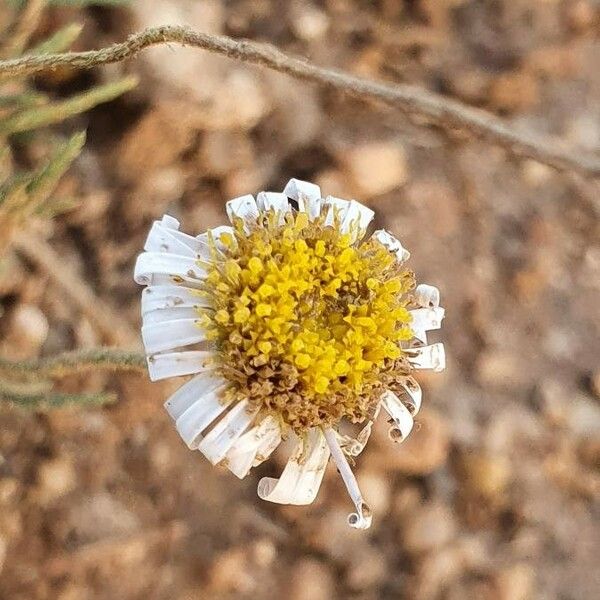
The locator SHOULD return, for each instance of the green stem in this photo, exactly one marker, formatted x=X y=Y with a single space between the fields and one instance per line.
x=76 y=362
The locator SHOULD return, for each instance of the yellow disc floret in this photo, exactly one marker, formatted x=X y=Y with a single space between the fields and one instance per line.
x=308 y=325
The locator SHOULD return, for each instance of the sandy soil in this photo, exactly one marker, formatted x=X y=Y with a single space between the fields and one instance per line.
x=495 y=495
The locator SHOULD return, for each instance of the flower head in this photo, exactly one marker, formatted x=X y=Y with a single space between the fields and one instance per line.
x=295 y=326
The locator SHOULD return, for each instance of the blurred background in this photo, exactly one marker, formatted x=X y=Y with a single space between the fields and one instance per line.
x=496 y=493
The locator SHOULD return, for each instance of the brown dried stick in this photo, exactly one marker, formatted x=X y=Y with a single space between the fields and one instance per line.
x=113 y=327
x=437 y=110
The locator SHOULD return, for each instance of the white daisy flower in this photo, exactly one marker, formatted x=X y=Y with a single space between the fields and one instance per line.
x=294 y=327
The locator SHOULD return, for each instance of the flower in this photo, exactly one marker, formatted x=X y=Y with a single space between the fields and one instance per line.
x=295 y=327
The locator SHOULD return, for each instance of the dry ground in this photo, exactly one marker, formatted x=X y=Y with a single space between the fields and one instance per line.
x=495 y=496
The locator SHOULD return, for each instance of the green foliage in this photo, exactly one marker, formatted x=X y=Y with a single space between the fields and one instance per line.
x=29 y=192
x=24 y=111
x=55 y=112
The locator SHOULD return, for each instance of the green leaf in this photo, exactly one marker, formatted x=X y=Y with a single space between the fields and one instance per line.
x=45 y=181
x=55 y=112
x=23 y=100
x=59 y=41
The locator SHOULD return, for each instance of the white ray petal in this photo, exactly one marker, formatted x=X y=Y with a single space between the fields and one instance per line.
x=335 y=207
x=357 y=219
x=413 y=390
x=167 y=335
x=193 y=421
x=275 y=201
x=255 y=445
x=191 y=391
x=267 y=446
x=224 y=434
x=353 y=216
x=403 y=421
x=176 y=364
x=163 y=237
x=157 y=268
x=302 y=475
x=162 y=297
x=361 y=519
x=171 y=314
x=307 y=195
x=425 y=319
x=243 y=207
x=353 y=446
x=392 y=244
x=170 y=222
x=427 y=357
x=427 y=296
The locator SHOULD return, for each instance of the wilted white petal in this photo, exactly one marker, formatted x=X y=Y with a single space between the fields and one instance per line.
x=168 y=335
x=224 y=434
x=267 y=446
x=307 y=195
x=427 y=357
x=275 y=201
x=403 y=421
x=392 y=244
x=254 y=446
x=192 y=391
x=361 y=519
x=350 y=445
x=425 y=319
x=176 y=364
x=302 y=475
x=171 y=314
x=357 y=218
x=163 y=297
x=413 y=390
x=165 y=238
x=427 y=296
x=335 y=207
x=243 y=207
x=200 y=415
x=157 y=268
x=170 y=222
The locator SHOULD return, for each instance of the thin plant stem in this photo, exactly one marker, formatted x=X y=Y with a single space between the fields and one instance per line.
x=74 y=363
x=427 y=106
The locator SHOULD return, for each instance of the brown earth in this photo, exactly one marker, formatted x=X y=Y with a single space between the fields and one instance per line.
x=495 y=495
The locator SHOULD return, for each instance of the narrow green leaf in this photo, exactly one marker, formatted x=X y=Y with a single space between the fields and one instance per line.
x=56 y=112
x=13 y=195
x=57 y=206
x=55 y=400
x=23 y=100
x=44 y=183
x=59 y=41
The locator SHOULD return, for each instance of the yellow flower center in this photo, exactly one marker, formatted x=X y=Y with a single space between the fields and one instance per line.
x=307 y=324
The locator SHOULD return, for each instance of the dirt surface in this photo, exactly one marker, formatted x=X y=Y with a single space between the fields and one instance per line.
x=495 y=495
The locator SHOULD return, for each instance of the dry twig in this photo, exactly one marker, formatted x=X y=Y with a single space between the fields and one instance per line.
x=437 y=110
x=111 y=325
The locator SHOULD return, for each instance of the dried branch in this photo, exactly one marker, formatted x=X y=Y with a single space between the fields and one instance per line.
x=437 y=110
x=74 y=363
x=111 y=325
